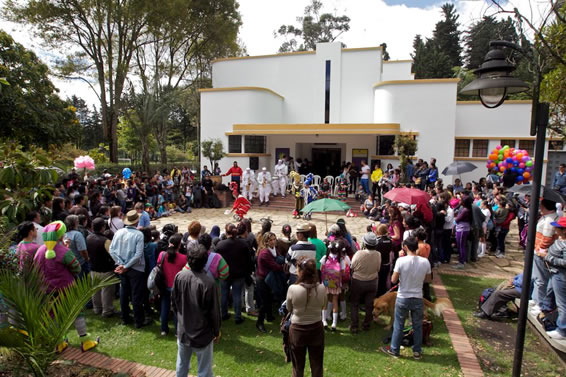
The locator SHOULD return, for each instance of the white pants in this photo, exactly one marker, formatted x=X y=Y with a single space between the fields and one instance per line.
x=275 y=186
x=283 y=185
x=248 y=194
x=264 y=193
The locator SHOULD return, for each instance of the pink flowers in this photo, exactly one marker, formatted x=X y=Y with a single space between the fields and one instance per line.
x=84 y=162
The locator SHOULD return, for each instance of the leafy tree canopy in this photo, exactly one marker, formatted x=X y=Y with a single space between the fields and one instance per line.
x=315 y=28
x=31 y=111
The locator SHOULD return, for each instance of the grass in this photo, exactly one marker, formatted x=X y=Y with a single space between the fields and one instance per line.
x=491 y=340
x=242 y=351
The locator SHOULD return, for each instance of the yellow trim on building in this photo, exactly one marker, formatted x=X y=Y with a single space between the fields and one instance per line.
x=512 y=102
x=362 y=49
x=318 y=129
x=397 y=61
x=248 y=154
x=229 y=89
x=419 y=81
x=264 y=56
x=393 y=157
x=503 y=138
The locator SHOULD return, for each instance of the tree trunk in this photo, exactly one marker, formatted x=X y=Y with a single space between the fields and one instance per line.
x=145 y=157
x=163 y=153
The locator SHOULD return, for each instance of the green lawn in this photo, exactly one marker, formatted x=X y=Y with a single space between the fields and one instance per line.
x=491 y=340
x=242 y=351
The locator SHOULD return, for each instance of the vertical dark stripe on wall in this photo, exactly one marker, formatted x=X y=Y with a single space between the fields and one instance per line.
x=327 y=94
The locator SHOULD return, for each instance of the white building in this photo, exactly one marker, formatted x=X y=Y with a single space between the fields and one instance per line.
x=342 y=104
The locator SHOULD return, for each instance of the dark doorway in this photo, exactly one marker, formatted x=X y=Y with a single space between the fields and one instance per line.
x=326 y=161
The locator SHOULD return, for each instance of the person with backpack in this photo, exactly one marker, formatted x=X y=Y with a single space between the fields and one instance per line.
x=332 y=269
x=411 y=272
x=492 y=301
x=171 y=262
x=216 y=266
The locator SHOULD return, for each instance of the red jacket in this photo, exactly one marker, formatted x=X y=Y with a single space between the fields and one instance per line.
x=266 y=263
x=236 y=172
x=505 y=224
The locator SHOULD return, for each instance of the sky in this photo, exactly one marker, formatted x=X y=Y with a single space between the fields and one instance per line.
x=395 y=22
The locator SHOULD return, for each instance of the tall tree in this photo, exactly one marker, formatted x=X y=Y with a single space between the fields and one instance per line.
x=178 y=51
x=31 y=112
x=91 y=135
x=104 y=34
x=447 y=36
x=315 y=28
x=478 y=36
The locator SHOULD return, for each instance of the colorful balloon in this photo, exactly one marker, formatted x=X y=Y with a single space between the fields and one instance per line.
x=529 y=163
x=126 y=173
x=526 y=175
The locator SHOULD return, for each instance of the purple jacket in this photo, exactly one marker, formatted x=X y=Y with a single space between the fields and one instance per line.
x=60 y=271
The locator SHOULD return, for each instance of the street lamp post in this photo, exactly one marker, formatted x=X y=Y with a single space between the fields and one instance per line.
x=492 y=86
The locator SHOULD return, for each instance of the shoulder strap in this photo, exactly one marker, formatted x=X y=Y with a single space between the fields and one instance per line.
x=209 y=260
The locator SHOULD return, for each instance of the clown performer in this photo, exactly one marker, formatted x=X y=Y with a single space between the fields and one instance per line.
x=309 y=193
x=240 y=208
x=298 y=193
x=59 y=268
x=281 y=171
x=264 y=186
x=248 y=184
x=275 y=182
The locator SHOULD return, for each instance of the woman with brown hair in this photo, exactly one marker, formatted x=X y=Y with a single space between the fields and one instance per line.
x=115 y=222
x=266 y=264
x=396 y=229
x=305 y=300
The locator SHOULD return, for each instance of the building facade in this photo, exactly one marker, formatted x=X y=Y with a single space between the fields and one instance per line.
x=346 y=104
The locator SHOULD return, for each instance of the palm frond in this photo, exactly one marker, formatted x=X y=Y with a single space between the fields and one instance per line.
x=42 y=320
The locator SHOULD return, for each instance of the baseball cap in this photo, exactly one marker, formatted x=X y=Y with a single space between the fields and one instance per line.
x=561 y=223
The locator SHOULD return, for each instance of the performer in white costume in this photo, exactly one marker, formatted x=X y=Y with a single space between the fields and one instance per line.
x=264 y=186
x=248 y=180
x=281 y=171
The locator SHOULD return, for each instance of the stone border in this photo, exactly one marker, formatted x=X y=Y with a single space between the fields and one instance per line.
x=466 y=356
x=98 y=360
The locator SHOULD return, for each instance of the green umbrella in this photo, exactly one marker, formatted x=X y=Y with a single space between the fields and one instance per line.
x=326 y=205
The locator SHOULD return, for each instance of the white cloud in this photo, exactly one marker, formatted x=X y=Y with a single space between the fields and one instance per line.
x=372 y=23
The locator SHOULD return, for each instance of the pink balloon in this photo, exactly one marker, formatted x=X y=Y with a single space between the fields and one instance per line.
x=525 y=159
x=522 y=165
x=498 y=147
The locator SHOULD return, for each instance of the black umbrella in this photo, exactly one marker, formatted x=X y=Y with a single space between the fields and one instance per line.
x=545 y=192
x=459 y=167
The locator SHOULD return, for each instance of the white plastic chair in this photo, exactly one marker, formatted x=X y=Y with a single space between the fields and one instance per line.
x=303 y=177
x=330 y=180
x=336 y=185
x=316 y=182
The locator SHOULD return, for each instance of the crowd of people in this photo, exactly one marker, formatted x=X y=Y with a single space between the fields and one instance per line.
x=103 y=226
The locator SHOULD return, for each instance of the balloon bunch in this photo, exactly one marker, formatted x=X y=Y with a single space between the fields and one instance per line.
x=517 y=161
x=126 y=173
x=84 y=162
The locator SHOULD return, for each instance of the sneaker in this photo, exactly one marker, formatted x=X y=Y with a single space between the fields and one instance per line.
x=333 y=328
x=388 y=351
x=481 y=255
x=499 y=255
x=325 y=325
x=260 y=327
x=163 y=333
x=481 y=314
x=555 y=334
x=459 y=266
x=343 y=316
x=417 y=355
x=535 y=310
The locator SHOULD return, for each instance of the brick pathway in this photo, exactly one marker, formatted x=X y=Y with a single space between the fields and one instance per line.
x=99 y=360
x=466 y=356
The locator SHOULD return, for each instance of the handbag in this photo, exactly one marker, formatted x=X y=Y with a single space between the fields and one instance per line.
x=156 y=279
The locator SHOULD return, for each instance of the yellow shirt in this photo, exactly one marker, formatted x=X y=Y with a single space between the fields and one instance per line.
x=376 y=175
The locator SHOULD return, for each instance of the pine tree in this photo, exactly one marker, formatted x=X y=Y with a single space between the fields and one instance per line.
x=447 y=36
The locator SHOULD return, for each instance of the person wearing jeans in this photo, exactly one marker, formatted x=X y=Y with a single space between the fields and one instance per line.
x=236 y=285
x=463 y=221
x=556 y=262
x=411 y=272
x=235 y=252
x=365 y=174
x=194 y=299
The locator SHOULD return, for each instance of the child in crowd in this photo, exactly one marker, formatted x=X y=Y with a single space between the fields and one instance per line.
x=333 y=266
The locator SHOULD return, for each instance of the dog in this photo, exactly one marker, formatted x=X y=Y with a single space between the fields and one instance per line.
x=385 y=304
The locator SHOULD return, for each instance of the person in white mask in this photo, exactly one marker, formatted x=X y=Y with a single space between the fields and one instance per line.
x=264 y=186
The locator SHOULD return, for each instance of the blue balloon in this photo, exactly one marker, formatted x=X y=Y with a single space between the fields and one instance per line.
x=513 y=170
x=509 y=160
x=520 y=178
x=520 y=171
x=515 y=163
x=126 y=173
